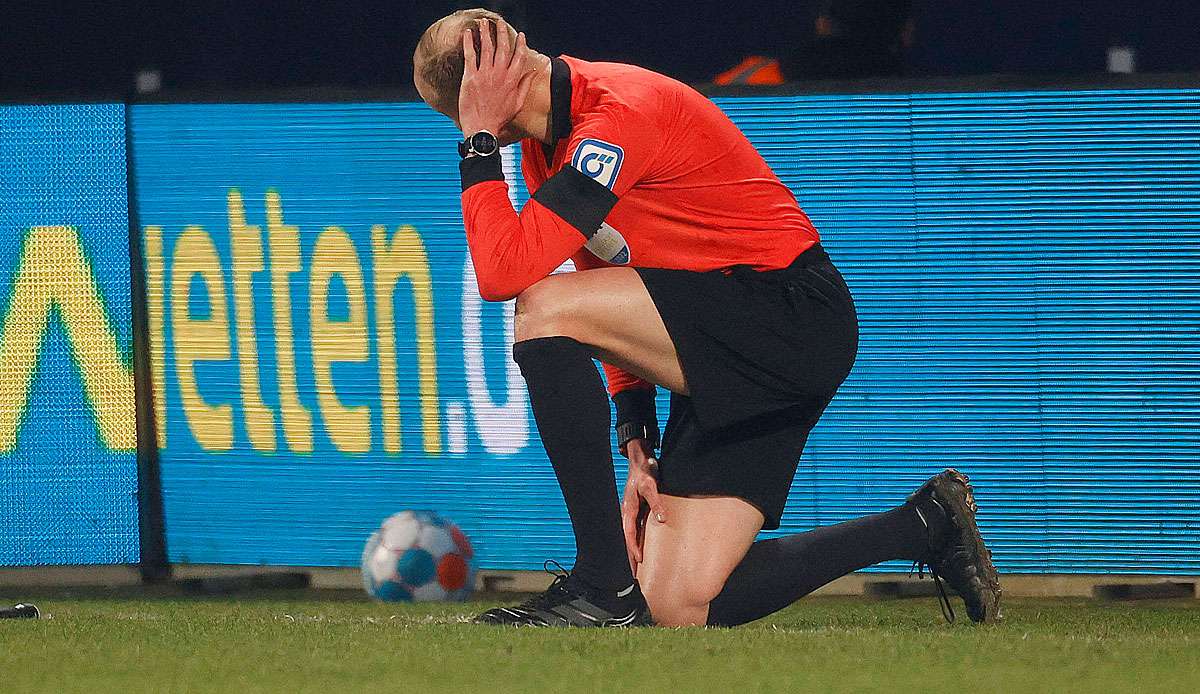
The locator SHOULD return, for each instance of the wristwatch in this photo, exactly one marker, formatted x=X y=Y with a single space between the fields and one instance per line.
x=481 y=144
x=628 y=431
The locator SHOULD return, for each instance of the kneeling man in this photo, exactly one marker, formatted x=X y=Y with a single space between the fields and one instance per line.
x=697 y=272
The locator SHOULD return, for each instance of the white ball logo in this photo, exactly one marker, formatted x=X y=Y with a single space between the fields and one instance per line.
x=599 y=160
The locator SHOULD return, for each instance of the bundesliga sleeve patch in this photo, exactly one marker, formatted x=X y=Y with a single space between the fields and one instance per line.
x=608 y=245
x=599 y=160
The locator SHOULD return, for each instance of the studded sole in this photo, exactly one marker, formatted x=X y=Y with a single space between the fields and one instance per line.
x=963 y=507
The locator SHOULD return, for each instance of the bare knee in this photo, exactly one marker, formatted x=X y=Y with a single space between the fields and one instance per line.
x=675 y=613
x=540 y=314
x=681 y=604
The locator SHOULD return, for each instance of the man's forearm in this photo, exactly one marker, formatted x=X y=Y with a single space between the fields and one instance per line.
x=510 y=252
x=637 y=416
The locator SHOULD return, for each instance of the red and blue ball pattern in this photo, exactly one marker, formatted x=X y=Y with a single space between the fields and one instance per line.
x=418 y=556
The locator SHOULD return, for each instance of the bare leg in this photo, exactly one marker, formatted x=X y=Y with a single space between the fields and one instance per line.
x=609 y=310
x=562 y=322
x=688 y=559
x=703 y=564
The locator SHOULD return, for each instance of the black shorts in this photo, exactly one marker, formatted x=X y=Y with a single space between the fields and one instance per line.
x=763 y=354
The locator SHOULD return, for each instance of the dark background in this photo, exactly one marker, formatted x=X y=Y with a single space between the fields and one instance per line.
x=57 y=47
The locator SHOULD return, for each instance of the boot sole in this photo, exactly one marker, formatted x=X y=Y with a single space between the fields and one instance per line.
x=953 y=489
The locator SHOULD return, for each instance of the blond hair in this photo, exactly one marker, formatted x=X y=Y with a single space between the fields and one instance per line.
x=439 y=54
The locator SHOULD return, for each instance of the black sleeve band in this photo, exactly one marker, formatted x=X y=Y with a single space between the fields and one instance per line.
x=479 y=169
x=636 y=405
x=580 y=200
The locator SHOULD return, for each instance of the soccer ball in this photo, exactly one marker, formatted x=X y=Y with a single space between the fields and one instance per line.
x=418 y=556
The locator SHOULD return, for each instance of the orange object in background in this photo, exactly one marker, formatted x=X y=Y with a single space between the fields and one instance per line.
x=755 y=70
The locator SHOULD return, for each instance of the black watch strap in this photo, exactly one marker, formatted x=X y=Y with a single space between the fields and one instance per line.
x=636 y=416
x=474 y=170
x=636 y=430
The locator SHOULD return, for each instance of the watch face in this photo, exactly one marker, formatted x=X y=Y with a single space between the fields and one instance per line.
x=484 y=143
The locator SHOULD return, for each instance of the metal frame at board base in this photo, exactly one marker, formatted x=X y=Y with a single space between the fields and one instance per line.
x=882 y=86
x=153 y=566
x=879 y=85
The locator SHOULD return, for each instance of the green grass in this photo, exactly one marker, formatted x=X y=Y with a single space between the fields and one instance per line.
x=292 y=643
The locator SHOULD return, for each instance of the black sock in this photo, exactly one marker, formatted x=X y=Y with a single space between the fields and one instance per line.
x=570 y=406
x=775 y=573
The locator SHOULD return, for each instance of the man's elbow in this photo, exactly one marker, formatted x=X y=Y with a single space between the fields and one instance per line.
x=493 y=289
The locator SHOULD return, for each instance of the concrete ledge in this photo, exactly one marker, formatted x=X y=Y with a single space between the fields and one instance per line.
x=1163 y=590
x=897 y=584
x=70 y=576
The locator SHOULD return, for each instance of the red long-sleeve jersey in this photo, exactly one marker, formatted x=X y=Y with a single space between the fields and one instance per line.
x=643 y=171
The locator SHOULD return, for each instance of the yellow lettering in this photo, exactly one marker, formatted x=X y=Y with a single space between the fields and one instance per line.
x=54 y=272
x=339 y=340
x=284 y=241
x=153 y=250
x=200 y=339
x=246 y=243
x=405 y=257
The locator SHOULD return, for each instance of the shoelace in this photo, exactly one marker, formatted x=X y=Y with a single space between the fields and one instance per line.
x=551 y=595
x=919 y=567
x=943 y=599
